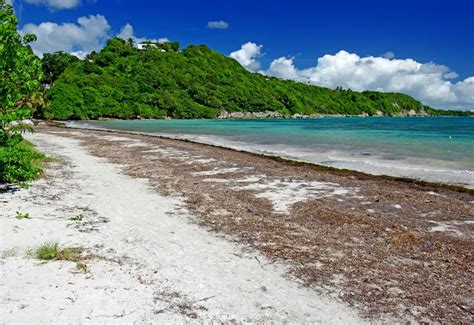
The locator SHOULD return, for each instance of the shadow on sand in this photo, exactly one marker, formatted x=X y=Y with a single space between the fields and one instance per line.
x=8 y=188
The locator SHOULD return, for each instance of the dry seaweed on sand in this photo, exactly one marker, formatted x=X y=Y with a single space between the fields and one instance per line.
x=379 y=248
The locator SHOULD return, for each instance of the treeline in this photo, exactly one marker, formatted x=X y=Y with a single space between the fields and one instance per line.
x=446 y=112
x=160 y=81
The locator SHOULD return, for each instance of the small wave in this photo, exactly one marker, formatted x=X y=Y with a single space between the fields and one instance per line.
x=375 y=165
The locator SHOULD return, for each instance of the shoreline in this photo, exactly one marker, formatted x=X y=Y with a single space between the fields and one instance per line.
x=289 y=160
x=362 y=242
x=302 y=117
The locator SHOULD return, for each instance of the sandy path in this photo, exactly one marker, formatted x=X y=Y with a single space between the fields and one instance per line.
x=155 y=265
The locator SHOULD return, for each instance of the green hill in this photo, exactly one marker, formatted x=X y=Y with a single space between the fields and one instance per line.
x=124 y=82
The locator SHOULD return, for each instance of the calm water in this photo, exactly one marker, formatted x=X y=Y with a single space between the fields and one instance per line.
x=430 y=148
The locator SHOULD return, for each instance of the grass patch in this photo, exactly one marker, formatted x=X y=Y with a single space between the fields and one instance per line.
x=78 y=217
x=49 y=159
x=8 y=253
x=82 y=267
x=53 y=252
x=20 y=215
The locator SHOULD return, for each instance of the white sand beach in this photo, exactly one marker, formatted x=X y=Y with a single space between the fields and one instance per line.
x=151 y=262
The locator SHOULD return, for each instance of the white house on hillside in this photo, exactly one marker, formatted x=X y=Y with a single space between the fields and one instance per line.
x=143 y=46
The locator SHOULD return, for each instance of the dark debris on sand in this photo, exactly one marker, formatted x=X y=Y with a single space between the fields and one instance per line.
x=395 y=249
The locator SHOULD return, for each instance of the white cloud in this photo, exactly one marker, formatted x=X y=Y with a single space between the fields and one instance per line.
x=56 y=4
x=80 y=54
x=465 y=91
x=247 y=55
x=450 y=75
x=428 y=82
x=127 y=32
x=9 y=2
x=389 y=55
x=219 y=24
x=283 y=68
x=87 y=35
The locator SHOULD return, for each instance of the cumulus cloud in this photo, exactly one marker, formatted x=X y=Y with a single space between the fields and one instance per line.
x=88 y=34
x=127 y=32
x=284 y=68
x=428 y=82
x=247 y=55
x=218 y=24
x=465 y=91
x=56 y=4
x=450 y=75
x=389 y=55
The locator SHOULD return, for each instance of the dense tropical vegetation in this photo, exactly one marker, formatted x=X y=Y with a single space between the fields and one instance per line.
x=20 y=75
x=54 y=64
x=122 y=81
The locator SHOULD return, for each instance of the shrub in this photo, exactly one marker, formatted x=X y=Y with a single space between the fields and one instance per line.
x=19 y=162
x=20 y=94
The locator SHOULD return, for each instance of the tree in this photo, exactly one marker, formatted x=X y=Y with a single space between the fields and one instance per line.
x=20 y=75
x=168 y=46
x=53 y=64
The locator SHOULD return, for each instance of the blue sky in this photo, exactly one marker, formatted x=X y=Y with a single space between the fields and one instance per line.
x=438 y=34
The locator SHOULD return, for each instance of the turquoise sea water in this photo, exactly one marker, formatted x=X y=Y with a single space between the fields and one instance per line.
x=430 y=148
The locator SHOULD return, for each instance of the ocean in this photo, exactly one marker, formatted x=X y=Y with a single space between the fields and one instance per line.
x=439 y=149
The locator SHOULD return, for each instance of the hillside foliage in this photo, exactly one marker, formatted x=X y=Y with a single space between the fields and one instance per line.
x=54 y=64
x=122 y=81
